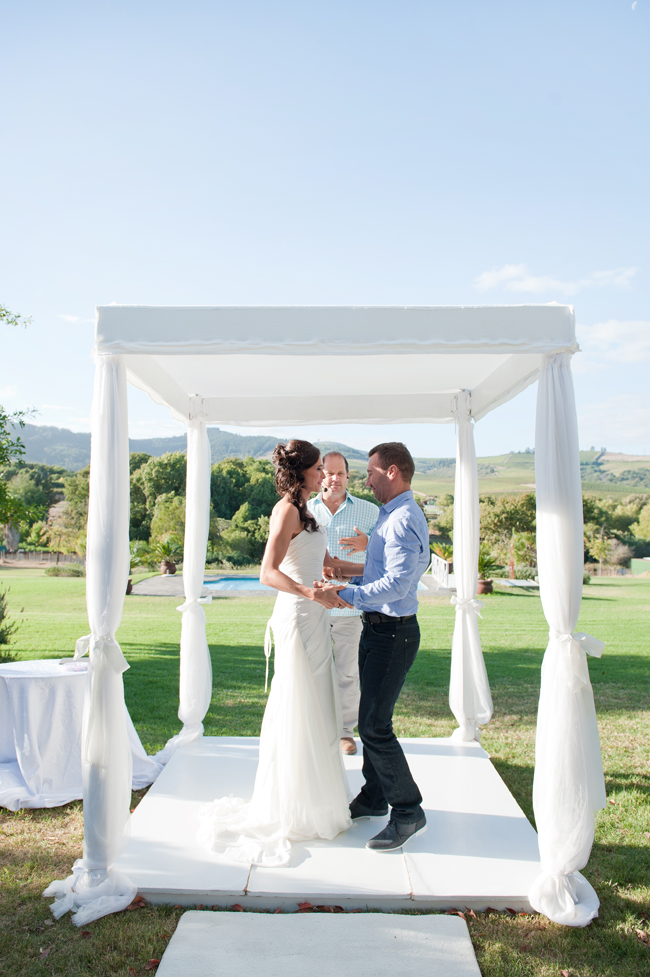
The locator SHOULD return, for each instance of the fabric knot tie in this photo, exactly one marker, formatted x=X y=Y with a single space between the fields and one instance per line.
x=579 y=646
x=194 y=602
x=468 y=603
x=103 y=652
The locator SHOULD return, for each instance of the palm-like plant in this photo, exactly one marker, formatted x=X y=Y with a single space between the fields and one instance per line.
x=486 y=563
x=168 y=550
x=444 y=550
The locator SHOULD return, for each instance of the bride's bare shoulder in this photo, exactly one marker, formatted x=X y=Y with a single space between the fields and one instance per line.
x=285 y=515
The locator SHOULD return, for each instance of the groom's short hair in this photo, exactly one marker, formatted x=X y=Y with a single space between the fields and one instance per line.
x=395 y=453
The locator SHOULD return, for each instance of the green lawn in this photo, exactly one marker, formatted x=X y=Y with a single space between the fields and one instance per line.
x=40 y=845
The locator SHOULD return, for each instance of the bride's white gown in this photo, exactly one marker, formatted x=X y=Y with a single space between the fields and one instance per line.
x=300 y=789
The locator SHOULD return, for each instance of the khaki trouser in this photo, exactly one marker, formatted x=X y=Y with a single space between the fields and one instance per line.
x=346 y=632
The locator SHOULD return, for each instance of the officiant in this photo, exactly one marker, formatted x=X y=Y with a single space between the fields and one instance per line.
x=348 y=521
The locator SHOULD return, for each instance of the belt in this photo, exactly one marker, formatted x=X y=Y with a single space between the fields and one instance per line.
x=374 y=617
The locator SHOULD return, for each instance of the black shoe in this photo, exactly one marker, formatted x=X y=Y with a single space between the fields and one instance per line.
x=396 y=834
x=359 y=810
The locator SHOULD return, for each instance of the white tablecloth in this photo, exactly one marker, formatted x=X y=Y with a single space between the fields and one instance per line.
x=41 y=708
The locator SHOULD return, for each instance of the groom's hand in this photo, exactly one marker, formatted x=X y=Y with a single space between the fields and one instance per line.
x=328 y=595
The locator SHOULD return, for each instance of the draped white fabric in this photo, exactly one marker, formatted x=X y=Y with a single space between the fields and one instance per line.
x=95 y=889
x=196 y=666
x=469 y=689
x=569 y=786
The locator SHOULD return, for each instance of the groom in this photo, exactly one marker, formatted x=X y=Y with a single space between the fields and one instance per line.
x=397 y=556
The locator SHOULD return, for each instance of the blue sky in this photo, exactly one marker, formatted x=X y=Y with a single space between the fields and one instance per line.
x=340 y=152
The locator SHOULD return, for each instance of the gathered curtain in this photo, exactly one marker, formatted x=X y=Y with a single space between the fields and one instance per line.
x=569 y=786
x=195 y=663
x=469 y=690
x=95 y=888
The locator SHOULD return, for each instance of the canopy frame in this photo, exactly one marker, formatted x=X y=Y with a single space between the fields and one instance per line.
x=449 y=365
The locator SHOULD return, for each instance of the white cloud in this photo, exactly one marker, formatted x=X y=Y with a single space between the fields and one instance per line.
x=634 y=5
x=74 y=318
x=517 y=278
x=7 y=391
x=622 y=420
x=619 y=340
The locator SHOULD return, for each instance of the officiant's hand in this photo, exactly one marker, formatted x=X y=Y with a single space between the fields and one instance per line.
x=333 y=573
x=327 y=595
x=354 y=544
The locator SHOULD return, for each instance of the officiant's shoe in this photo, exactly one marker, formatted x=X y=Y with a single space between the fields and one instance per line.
x=358 y=811
x=396 y=834
x=348 y=746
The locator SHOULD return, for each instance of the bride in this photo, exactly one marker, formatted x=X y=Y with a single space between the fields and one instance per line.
x=300 y=789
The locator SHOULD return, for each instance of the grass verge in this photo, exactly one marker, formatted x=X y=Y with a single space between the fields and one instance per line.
x=38 y=846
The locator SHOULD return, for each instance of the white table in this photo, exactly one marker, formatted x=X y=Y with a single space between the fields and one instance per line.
x=41 y=708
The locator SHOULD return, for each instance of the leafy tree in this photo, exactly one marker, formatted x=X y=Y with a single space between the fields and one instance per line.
x=164 y=475
x=642 y=528
x=11 y=446
x=137 y=459
x=230 y=482
x=168 y=517
x=140 y=516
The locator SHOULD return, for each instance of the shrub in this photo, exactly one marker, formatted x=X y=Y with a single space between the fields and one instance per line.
x=586 y=578
x=66 y=570
x=7 y=629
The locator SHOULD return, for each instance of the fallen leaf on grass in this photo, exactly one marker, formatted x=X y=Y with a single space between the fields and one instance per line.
x=325 y=909
x=276 y=911
x=151 y=964
x=304 y=905
x=178 y=906
x=525 y=947
x=200 y=906
x=132 y=971
x=86 y=934
x=565 y=973
x=611 y=801
x=166 y=936
x=44 y=953
x=470 y=912
x=643 y=937
x=237 y=907
x=132 y=906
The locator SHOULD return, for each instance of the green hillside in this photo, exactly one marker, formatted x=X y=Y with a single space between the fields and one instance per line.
x=603 y=474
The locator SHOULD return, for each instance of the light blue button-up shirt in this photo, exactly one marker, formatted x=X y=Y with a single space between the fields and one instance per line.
x=352 y=512
x=397 y=556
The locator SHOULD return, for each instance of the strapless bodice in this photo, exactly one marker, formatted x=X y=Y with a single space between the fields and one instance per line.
x=304 y=559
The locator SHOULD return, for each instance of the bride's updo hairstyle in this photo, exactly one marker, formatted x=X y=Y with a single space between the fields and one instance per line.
x=291 y=461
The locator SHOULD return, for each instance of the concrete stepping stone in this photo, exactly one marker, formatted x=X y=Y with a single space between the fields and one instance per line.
x=318 y=945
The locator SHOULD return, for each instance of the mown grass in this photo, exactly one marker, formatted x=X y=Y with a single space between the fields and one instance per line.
x=38 y=846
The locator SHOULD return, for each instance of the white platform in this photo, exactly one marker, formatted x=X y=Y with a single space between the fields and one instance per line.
x=234 y=945
x=479 y=849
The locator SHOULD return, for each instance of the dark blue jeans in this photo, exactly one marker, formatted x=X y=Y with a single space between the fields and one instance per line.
x=386 y=652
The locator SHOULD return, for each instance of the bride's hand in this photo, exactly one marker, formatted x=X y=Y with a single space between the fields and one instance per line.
x=327 y=594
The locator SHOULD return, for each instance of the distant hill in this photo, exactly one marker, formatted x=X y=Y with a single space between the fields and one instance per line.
x=71 y=449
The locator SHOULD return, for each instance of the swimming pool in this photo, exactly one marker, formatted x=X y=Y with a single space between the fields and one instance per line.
x=236 y=583
x=249 y=583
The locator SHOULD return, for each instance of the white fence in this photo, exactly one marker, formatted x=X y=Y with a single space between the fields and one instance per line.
x=439 y=570
x=40 y=556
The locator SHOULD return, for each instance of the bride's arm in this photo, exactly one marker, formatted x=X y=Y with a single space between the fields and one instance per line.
x=340 y=568
x=285 y=523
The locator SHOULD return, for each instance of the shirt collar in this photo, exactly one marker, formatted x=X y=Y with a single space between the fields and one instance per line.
x=402 y=497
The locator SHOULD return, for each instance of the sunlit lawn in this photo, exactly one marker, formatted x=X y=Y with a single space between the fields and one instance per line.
x=41 y=845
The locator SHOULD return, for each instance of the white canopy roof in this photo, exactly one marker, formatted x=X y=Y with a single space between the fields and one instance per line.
x=306 y=365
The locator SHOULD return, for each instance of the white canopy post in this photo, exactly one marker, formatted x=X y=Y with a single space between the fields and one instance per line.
x=195 y=665
x=569 y=786
x=95 y=889
x=469 y=689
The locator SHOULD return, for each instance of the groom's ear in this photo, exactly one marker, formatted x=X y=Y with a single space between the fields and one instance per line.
x=392 y=471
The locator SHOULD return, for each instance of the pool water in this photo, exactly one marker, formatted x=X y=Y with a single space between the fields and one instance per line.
x=249 y=583
x=236 y=583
